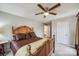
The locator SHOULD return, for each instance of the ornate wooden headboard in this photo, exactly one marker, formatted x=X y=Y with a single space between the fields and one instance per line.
x=21 y=29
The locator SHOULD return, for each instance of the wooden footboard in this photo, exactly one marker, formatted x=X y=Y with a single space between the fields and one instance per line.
x=43 y=50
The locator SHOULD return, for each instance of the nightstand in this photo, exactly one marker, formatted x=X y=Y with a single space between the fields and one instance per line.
x=2 y=42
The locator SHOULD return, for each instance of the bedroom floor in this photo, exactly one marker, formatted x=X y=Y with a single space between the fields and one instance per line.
x=9 y=54
x=63 y=50
x=60 y=50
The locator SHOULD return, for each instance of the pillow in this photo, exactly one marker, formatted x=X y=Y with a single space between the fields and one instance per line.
x=28 y=36
x=20 y=36
x=32 y=34
x=14 y=37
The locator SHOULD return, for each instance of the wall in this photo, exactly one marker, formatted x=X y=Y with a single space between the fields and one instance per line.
x=72 y=28
x=8 y=20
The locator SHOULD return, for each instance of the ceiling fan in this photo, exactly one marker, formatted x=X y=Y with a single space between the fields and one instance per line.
x=46 y=10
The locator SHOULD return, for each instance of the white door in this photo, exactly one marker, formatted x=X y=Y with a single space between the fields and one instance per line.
x=63 y=32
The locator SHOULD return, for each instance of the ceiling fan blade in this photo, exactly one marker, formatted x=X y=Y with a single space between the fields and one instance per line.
x=55 y=6
x=40 y=6
x=39 y=13
x=52 y=13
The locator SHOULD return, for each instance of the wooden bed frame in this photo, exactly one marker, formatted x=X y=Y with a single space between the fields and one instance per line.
x=21 y=29
x=44 y=50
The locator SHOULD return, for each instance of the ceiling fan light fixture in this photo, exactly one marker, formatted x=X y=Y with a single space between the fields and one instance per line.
x=46 y=13
x=46 y=10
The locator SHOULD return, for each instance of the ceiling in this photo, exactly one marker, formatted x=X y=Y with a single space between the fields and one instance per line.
x=28 y=10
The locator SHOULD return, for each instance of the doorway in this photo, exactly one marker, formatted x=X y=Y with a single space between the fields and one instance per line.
x=48 y=29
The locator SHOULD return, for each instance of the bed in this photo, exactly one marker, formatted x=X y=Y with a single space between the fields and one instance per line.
x=21 y=36
x=26 y=43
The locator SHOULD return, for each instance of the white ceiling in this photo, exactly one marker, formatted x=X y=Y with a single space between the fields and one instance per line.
x=28 y=10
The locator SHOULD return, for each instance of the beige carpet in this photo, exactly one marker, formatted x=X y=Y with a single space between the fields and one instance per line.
x=63 y=50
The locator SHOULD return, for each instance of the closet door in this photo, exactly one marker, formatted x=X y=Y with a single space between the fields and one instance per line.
x=63 y=32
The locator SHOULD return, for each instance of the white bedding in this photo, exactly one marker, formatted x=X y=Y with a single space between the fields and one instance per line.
x=23 y=51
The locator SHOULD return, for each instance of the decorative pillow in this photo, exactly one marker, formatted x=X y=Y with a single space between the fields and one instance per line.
x=20 y=36
x=28 y=36
x=14 y=37
x=32 y=34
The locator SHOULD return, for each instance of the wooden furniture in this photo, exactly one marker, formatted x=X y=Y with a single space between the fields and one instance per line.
x=43 y=47
x=28 y=36
x=16 y=44
x=2 y=42
x=44 y=50
x=77 y=35
x=1 y=52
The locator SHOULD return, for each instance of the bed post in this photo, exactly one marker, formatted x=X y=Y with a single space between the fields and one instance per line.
x=54 y=43
x=12 y=29
x=29 y=50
